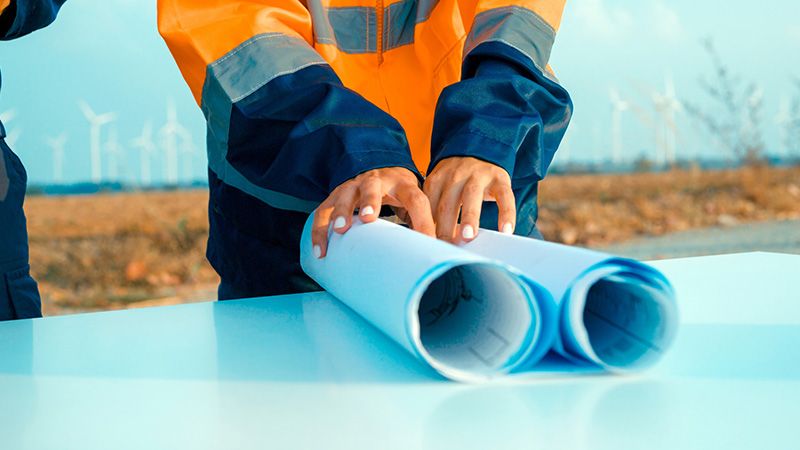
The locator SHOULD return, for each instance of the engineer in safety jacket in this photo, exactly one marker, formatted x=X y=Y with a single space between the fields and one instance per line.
x=19 y=294
x=446 y=110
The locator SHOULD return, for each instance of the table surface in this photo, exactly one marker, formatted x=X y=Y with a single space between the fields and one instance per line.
x=303 y=371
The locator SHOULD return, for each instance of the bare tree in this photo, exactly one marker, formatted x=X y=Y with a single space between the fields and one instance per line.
x=792 y=134
x=734 y=114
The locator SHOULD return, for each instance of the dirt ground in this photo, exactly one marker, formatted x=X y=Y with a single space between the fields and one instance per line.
x=113 y=251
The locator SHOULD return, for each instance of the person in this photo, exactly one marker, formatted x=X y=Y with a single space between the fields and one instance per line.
x=345 y=106
x=19 y=294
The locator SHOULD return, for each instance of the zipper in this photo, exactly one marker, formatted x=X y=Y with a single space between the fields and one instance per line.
x=379 y=31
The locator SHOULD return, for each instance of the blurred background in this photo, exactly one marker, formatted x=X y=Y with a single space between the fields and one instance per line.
x=685 y=141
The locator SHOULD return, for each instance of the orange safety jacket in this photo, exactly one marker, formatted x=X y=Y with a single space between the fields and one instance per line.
x=302 y=95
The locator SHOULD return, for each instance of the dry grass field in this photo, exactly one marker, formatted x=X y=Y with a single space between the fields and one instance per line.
x=116 y=251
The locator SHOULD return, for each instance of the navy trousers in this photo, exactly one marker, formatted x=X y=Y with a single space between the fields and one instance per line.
x=256 y=248
x=19 y=294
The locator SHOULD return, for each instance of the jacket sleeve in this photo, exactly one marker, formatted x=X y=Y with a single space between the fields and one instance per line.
x=281 y=125
x=20 y=17
x=508 y=109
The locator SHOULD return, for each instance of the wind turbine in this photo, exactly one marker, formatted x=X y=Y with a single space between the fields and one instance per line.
x=96 y=122
x=170 y=133
x=618 y=106
x=667 y=105
x=187 y=153
x=564 y=153
x=57 y=144
x=146 y=147
x=114 y=151
x=784 y=120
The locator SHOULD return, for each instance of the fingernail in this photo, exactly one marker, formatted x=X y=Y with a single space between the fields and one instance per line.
x=508 y=228
x=367 y=211
x=468 y=232
x=340 y=222
x=317 y=251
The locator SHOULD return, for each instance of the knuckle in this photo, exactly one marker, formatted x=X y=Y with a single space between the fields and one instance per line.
x=416 y=198
x=319 y=234
x=434 y=180
x=507 y=209
x=473 y=188
x=371 y=177
x=442 y=208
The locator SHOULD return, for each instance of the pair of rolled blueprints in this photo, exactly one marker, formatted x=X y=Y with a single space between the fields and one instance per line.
x=500 y=303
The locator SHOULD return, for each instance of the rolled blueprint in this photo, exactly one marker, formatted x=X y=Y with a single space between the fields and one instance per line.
x=617 y=313
x=468 y=317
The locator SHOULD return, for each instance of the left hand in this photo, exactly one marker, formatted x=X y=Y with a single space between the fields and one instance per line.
x=462 y=183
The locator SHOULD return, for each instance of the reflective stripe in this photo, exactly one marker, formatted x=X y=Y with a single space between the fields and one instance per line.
x=424 y=9
x=400 y=19
x=232 y=78
x=259 y=60
x=354 y=29
x=517 y=27
x=350 y=29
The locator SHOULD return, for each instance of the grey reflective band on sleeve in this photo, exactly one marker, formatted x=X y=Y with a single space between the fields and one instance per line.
x=259 y=60
x=517 y=27
x=232 y=78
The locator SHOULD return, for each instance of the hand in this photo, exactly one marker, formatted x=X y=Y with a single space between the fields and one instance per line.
x=395 y=186
x=464 y=183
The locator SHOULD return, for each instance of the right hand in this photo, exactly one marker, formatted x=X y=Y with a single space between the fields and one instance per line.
x=394 y=186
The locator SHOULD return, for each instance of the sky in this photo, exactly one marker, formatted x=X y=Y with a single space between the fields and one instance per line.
x=108 y=53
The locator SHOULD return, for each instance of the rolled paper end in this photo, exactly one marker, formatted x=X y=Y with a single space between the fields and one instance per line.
x=622 y=318
x=475 y=321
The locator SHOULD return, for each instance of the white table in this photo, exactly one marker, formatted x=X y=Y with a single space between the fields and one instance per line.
x=302 y=371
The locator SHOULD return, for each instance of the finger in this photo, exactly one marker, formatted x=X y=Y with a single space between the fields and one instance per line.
x=402 y=214
x=446 y=214
x=344 y=204
x=471 y=203
x=418 y=207
x=319 y=230
x=433 y=190
x=506 y=206
x=370 y=196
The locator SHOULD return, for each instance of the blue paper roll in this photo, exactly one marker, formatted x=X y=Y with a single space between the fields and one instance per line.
x=468 y=317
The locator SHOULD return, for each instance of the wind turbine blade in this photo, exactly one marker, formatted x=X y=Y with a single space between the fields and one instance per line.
x=87 y=110
x=13 y=136
x=613 y=94
x=103 y=119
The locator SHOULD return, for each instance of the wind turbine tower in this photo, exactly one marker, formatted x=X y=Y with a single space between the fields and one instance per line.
x=187 y=155
x=784 y=121
x=144 y=143
x=56 y=145
x=96 y=122
x=170 y=133
x=114 y=151
x=618 y=107
x=667 y=106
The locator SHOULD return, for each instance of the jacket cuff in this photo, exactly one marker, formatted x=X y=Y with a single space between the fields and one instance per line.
x=477 y=145
x=354 y=163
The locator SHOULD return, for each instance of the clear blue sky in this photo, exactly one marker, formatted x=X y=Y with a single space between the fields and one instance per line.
x=109 y=53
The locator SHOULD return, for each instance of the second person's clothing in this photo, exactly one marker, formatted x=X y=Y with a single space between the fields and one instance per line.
x=19 y=294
